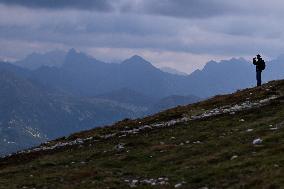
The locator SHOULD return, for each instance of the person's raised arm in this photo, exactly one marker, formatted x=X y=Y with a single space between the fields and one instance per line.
x=254 y=61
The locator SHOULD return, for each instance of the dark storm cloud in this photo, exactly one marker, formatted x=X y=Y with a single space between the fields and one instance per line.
x=182 y=8
x=174 y=8
x=99 y=5
x=210 y=28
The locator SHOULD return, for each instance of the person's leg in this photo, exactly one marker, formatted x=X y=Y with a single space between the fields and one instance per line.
x=260 y=82
x=258 y=78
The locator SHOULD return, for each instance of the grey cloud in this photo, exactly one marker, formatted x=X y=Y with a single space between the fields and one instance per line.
x=98 y=5
x=219 y=30
x=181 y=8
x=215 y=44
x=249 y=26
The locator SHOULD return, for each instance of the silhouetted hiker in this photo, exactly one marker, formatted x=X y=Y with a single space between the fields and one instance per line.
x=260 y=66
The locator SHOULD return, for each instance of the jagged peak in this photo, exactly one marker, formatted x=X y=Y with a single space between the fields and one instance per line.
x=137 y=59
x=210 y=64
x=74 y=55
x=73 y=52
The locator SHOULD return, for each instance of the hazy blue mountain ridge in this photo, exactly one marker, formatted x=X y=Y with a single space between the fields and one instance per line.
x=83 y=75
x=35 y=60
x=83 y=92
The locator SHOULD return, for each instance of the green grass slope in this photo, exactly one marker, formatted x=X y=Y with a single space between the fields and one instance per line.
x=230 y=141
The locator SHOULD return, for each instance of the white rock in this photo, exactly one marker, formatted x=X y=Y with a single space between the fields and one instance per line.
x=197 y=142
x=249 y=130
x=257 y=141
x=274 y=128
x=205 y=187
x=263 y=101
x=162 y=183
x=134 y=181
x=119 y=146
x=234 y=157
x=276 y=165
x=178 y=185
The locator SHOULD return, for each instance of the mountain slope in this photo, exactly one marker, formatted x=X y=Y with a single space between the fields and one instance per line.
x=231 y=141
x=150 y=105
x=128 y=96
x=34 y=110
x=173 y=101
x=30 y=114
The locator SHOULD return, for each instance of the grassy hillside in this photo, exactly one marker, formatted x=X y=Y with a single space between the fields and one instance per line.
x=231 y=141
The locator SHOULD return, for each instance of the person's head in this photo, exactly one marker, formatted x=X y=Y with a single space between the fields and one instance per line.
x=258 y=56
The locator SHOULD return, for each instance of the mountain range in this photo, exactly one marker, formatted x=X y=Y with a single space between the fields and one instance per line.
x=31 y=114
x=49 y=95
x=94 y=77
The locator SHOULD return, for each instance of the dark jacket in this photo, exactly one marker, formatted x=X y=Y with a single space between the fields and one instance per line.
x=260 y=64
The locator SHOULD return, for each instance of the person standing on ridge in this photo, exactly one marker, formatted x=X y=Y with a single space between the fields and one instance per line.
x=260 y=66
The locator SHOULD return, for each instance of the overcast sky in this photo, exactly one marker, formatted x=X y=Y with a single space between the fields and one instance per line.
x=183 y=34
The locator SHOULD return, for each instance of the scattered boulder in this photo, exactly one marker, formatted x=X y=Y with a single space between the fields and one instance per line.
x=257 y=141
x=178 y=185
x=249 y=130
x=119 y=147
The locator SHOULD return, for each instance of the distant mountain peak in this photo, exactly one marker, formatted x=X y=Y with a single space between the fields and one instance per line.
x=72 y=51
x=74 y=56
x=196 y=72
x=137 y=60
x=210 y=64
x=35 y=60
x=137 y=57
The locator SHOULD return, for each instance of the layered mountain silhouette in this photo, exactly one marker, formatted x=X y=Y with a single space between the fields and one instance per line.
x=50 y=95
x=55 y=100
x=222 y=77
x=83 y=75
x=35 y=60
x=30 y=114
x=86 y=76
